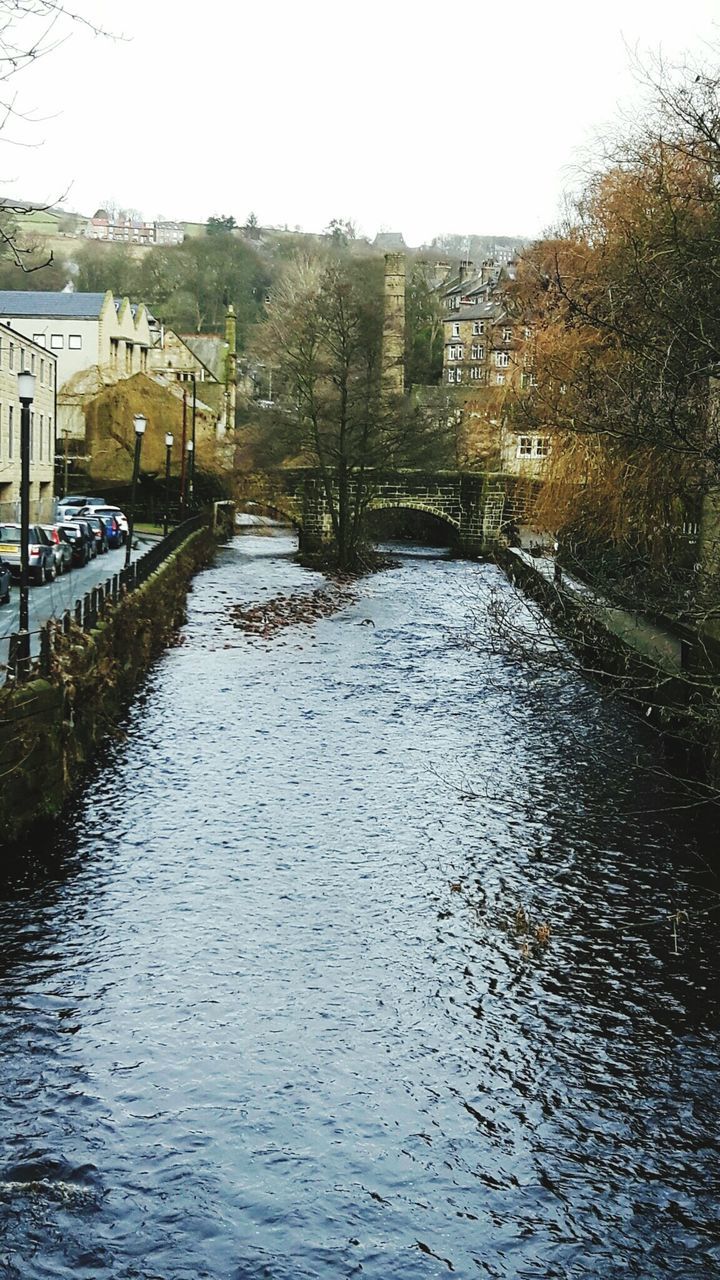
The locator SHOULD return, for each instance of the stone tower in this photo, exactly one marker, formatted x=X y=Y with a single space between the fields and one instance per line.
x=393 y=346
x=230 y=368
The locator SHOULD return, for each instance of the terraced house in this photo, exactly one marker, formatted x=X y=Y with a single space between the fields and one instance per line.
x=487 y=357
x=18 y=353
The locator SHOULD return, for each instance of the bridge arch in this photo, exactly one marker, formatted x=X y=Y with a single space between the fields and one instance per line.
x=271 y=509
x=409 y=503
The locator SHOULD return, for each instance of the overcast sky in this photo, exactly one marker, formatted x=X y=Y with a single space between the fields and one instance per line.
x=398 y=114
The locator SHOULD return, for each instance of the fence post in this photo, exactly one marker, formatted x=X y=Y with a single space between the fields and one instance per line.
x=45 y=647
x=66 y=622
x=13 y=657
x=79 y=612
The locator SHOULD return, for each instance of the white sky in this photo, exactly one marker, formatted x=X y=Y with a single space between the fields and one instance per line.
x=399 y=114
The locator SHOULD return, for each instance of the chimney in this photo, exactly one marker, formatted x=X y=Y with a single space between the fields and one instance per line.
x=465 y=267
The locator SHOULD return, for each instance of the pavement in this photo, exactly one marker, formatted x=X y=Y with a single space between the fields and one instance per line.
x=658 y=643
x=52 y=599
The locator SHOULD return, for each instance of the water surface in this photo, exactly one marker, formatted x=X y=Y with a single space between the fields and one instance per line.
x=361 y=955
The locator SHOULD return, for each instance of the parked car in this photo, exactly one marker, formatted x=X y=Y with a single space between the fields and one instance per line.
x=61 y=547
x=80 y=500
x=41 y=556
x=89 y=534
x=97 y=524
x=5 y=576
x=107 y=511
x=80 y=541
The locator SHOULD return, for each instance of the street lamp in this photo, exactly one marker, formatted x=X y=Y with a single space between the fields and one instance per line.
x=26 y=395
x=194 y=413
x=140 y=424
x=190 y=446
x=169 y=438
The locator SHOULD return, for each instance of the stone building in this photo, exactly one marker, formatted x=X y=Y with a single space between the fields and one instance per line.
x=95 y=338
x=18 y=353
x=487 y=360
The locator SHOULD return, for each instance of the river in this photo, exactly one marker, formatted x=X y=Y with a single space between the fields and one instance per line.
x=363 y=952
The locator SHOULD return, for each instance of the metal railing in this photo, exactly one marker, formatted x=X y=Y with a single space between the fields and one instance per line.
x=93 y=605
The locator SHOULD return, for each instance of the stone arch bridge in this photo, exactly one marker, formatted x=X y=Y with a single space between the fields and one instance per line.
x=477 y=507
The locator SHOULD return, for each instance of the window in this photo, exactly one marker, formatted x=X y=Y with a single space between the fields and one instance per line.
x=11 y=432
x=143 y=359
x=456 y=330
x=50 y=438
x=478 y=352
x=527 y=331
x=528 y=380
x=477 y=375
x=75 y=342
x=57 y=341
x=500 y=379
x=0 y=430
x=11 y=355
x=39 y=339
x=0 y=353
x=451 y=375
x=40 y=436
x=128 y=357
x=114 y=344
x=42 y=370
x=502 y=359
x=533 y=446
x=507 y=333
x=478 y=326
x=32 y=361
x=458 y=375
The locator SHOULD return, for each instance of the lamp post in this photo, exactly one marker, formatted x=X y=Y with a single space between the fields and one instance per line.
x=192 y=459
x=168 y=451
x=140 y=424
x=26 y=395
x=191 y=469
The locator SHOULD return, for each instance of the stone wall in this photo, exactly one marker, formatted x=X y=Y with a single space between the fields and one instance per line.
x=50 y=728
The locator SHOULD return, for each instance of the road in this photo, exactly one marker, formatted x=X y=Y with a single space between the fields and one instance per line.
x=52 y=599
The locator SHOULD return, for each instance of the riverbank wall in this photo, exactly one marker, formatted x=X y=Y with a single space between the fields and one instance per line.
x=671 y=685
x=52 y=727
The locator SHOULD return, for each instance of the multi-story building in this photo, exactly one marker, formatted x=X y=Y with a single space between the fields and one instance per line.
x=487 y=358
x=18 y=353
x=119 y=228
x=95 y=339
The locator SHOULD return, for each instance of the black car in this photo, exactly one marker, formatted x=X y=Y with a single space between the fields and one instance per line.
x=99 y=530
x=5 y=576
x=80 y=539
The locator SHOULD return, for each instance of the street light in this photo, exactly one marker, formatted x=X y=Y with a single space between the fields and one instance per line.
x=190 y=446
x=26 y=395
x=192 y=460
x=169 y=439
x=140 y=424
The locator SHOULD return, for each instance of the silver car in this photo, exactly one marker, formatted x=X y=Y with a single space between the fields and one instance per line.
x=41 y=559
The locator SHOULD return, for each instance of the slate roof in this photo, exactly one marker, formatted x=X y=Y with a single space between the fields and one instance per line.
x=59 y=306
x=483 y=311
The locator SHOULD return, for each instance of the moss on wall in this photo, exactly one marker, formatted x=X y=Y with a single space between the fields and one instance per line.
x=51 y=728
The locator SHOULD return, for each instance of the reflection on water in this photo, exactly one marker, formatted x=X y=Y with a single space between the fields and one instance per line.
x=357 y=957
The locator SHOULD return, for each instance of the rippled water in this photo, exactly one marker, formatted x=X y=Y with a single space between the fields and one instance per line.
x=275 y=1003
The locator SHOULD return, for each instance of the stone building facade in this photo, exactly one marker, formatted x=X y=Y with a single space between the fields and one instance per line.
x=18 y=353
x=487 y=361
